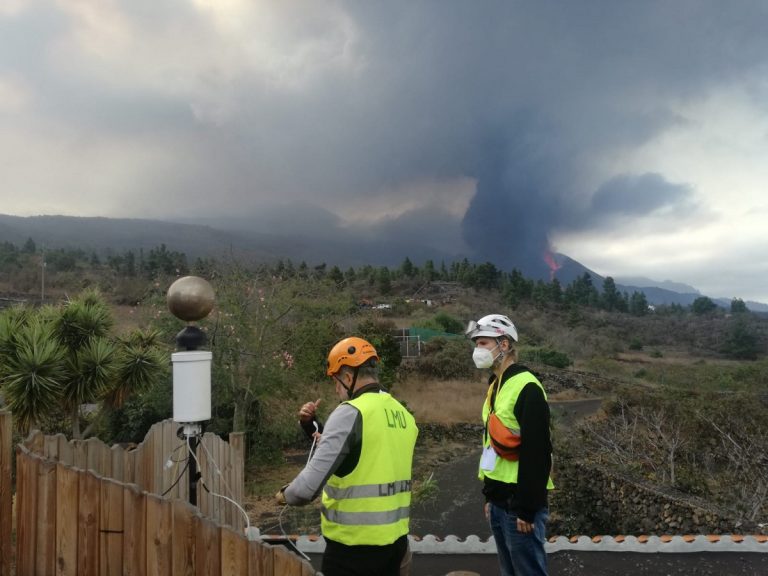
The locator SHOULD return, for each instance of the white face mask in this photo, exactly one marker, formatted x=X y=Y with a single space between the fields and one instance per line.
x=483 y=357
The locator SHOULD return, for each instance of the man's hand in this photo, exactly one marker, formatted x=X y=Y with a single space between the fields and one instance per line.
x=280 y=496
x=524 y=527
x=308 y=410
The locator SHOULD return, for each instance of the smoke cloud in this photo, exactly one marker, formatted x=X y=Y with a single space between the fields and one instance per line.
x=518 y=126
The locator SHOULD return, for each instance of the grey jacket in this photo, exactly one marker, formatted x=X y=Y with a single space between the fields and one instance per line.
x=337 y=452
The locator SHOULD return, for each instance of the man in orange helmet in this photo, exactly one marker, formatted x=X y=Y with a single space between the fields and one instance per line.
x=362 y=466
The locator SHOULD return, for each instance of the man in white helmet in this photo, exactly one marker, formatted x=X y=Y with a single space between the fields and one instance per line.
x=517 y=449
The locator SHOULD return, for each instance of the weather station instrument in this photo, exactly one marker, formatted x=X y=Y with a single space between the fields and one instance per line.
x=191 y=299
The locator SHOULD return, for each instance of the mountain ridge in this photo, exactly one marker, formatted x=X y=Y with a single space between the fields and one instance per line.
x=105 y=235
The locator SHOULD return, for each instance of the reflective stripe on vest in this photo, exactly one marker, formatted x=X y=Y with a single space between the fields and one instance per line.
x=368 y=491
x=367 y=518
x=371 y=504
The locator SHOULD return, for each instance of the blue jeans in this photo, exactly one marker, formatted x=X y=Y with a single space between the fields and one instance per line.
x=519 y=554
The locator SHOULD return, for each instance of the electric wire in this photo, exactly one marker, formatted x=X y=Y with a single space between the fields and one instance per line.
x=280 y=520
x=309 y=457
x=314 y=441
x=216 y=468
x=176 y=467
x=179 y=477
x=222 y=496
x=179 y=447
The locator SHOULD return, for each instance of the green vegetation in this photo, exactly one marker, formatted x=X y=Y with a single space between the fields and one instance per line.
x=60 y=358
x=547 y=357
x=425 y=490
x=684 y=387
x=444 y=359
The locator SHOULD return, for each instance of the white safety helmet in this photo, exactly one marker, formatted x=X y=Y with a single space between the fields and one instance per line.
x=492 y=326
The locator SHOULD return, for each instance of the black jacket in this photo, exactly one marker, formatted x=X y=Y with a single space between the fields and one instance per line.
x=529 y=494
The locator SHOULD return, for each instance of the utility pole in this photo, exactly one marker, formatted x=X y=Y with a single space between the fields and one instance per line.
x=42 y=277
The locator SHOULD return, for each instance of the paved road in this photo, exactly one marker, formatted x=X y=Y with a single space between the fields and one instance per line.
x=602 y=564
x=458 y=506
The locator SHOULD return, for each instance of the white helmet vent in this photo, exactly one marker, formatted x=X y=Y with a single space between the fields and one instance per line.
x=492 y=326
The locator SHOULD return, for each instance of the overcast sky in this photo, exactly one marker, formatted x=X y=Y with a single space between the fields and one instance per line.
x=630 y=135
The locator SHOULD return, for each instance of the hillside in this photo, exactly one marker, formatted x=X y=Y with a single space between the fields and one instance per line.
x=666 y=402
x=235 y=240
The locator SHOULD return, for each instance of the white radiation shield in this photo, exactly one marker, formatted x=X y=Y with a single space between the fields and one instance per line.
x=191 y=386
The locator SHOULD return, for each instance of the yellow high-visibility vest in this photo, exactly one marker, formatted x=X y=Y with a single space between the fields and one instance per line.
x=371 y=504
x=504 y=407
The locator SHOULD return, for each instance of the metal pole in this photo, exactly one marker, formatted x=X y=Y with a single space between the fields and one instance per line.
x=190 y=433
x=193 y=472
x=42 y=281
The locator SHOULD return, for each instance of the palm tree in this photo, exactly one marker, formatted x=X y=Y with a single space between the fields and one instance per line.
x=30 y=367
x=82 y=329
x=138 y=365
x=66 y=357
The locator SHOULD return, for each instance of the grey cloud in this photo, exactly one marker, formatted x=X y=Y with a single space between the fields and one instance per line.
x=427 y=230
x=630 y=196
x=521 y=96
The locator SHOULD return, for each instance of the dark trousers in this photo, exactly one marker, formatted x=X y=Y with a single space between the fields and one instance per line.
x=342 y=560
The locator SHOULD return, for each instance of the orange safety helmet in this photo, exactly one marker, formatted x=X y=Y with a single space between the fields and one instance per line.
x=352 y=352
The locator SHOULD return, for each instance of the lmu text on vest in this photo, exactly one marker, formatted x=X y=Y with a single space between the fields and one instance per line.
x=395 y=418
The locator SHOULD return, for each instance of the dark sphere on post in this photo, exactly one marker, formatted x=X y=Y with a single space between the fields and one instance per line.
x=190 y=298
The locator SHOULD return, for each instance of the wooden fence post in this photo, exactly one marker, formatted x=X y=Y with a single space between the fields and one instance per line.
x=67 y=510
x=45 y=547
x=88 y=517
x=6 y=492
x=134 y=527
x=26 y=511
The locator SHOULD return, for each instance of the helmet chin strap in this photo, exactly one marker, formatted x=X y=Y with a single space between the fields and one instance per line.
x=351 y=388
x=500 y=356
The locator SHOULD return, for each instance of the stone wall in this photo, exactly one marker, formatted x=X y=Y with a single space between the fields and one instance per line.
x=589 y=500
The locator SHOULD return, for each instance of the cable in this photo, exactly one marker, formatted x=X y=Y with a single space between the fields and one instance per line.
x=179 y=447
x=267 y=530
x=280 y=520
x=216 y=467
x=314 y=441
x=240 y=508
x=171 y=460
x=309 y=457
x=179 y=477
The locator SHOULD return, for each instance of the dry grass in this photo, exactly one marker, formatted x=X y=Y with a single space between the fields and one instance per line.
x=443 y=401
x=262 y=483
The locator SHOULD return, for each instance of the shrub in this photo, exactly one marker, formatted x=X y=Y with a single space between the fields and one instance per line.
x=741 y=341
x=448 y=323
x=445 y=359
x=442 y=322
x=546 y=356
x=635 y=345
x=379 y=333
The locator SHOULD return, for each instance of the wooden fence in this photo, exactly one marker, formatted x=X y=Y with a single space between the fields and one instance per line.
x=82 y=508
x=6 y=493
x=158 y=465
